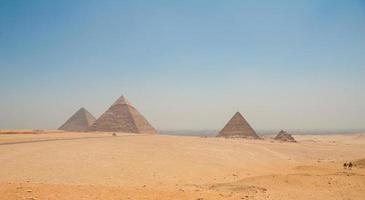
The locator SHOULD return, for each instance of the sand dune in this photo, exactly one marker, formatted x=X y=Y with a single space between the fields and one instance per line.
x=101 y=166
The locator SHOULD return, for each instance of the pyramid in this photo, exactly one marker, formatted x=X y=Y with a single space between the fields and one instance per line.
x=284 y=137
x=122 y=117
x=80 y=121
x=238 y=127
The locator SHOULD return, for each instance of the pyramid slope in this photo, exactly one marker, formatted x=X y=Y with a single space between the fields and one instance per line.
x=238 y=127
x=284 y=137
x=143 y=126
x=80 y=121
x=122 y=117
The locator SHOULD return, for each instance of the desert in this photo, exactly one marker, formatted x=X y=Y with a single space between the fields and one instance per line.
x=182 y=100
x=98 y=165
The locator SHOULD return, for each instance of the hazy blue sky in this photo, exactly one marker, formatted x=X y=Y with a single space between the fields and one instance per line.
x=185 y=64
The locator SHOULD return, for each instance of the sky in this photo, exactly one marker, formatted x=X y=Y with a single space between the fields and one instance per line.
x=185 y=64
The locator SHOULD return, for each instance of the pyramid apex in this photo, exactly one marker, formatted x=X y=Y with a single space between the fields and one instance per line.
x=238 y=114
x=121 y=101
x=81 y=110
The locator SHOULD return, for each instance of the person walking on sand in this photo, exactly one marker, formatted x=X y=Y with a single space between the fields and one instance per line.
x=350 y=166
x=345 y=165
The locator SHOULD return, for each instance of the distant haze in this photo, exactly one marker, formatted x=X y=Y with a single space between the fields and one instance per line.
x=185 y=64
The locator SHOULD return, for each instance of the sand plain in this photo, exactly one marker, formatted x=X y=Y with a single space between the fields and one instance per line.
x=66 y=165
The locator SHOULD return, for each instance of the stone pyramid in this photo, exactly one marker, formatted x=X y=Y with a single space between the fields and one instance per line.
x=238 y=127
x=122 y=117
x=80 y=121
x=284 y=137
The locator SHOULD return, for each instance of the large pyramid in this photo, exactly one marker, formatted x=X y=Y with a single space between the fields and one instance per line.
x=122 y=117
x=80 y=121
x=238 y=127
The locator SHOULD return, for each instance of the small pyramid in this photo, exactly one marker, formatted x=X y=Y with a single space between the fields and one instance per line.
x=80 y=121
x=238 y=127
x=122 y=117
x=284 y=137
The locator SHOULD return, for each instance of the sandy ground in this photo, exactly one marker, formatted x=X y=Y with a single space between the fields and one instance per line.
x=56 y=165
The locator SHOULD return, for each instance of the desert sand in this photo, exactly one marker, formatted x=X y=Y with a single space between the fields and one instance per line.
x=65 y=165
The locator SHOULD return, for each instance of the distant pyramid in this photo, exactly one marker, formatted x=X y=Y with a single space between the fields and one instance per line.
x=80 y=121
x=238 y=127
x=122 y=117
x=284 y=137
